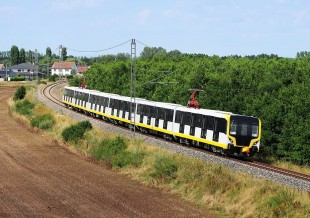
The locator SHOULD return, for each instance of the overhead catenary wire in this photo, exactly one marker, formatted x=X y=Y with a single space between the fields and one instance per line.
x=100 y=50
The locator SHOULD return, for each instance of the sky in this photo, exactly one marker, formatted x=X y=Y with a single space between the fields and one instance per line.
x=212 y=27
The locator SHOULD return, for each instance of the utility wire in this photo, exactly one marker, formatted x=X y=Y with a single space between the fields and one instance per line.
x=154 y=80
x=145 y=45
x=100 y=49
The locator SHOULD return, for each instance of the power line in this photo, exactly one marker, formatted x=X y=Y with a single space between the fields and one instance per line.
x=101 y=50
x=145 y=45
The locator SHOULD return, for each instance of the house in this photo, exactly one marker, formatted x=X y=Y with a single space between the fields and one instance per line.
x=2 y=67
x=22 y=69
x=82 y=69
x=64 y=68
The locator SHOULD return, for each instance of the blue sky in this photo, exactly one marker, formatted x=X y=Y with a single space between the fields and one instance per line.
x=213 y=27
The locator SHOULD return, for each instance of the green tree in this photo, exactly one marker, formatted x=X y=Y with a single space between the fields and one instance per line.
x=14 y=58
x=48 y=52
x=30 y=56
x=150 y=52
x=64 y=53
x=22 y=56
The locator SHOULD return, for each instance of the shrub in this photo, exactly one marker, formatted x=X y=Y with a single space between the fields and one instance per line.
x=45 y=121
x=85 y=125
x=20 y=93
x=53 y=78
x=76 y=132
x=18 y=78
x=165 y=167
x=24 y=107
x=114 y=151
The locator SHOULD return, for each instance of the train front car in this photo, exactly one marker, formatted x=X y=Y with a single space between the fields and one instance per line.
x=244 y=135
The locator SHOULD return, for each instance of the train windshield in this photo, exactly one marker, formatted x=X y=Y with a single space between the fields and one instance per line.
x=244 y=126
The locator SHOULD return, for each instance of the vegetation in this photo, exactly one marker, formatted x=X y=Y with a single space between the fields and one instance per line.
x=272 y=88
x=212 y=186
x=20 y=93
x=45 y=121
x=24 y=107
x=76 y=132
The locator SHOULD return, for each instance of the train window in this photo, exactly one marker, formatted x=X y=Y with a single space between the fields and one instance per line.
x=122 y=105
x=161 y=113
x=153 y=111
x=210 y=123
x=139 y=108
x=186 y=118
x=178 y=116
x=146 y=110
x=111 y=103
x=221 y=125
x=254 y=131
x=169 y=115
x=233 y=129
x=244 y=129
x=117 y=102
x=127 y=106
x=204 y=122
x=105 y=102
x=197 y=120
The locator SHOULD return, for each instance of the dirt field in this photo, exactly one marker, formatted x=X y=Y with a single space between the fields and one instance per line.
x=38 y=178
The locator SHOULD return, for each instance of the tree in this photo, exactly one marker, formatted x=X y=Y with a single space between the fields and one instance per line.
x=64 y=53
x=22 y=56
x=14 y=58
x=48 y=52
x=150 y=52
x=30 y=56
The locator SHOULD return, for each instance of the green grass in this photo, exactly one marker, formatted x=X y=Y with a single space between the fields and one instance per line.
x=45 y=121
x=24 y=107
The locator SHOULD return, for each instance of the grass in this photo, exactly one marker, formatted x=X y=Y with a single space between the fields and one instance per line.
x=229 y=193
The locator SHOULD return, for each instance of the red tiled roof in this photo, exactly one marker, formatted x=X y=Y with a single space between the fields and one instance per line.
x=63 y=65
x=82 y=69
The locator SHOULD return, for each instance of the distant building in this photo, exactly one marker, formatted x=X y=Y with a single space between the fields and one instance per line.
x=22 y=69
x=64 y=68
x=2 y=67
x=82 y=69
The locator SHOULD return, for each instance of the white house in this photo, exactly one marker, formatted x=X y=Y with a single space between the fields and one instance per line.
x=63 y=68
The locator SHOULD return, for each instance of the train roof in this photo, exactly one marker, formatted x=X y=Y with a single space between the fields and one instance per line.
x=179 y=107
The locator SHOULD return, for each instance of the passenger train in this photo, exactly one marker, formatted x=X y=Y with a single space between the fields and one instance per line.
x=219 y=131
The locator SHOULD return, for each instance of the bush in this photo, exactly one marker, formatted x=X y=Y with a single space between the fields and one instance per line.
x=76 y=132
x=18 y=78
x=20 y=93
x=165 y=167
x=115 y=152
x=45 y=121
x=24 y=107
x=76 y=81
x=53 y=78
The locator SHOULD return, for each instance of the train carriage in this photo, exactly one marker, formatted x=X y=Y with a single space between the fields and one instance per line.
x=155 y=117
x=201 y=126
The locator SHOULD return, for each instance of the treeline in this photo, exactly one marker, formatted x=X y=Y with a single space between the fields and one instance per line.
x=272 y=88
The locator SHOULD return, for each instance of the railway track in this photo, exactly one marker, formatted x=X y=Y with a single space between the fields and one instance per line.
x=47 y=93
